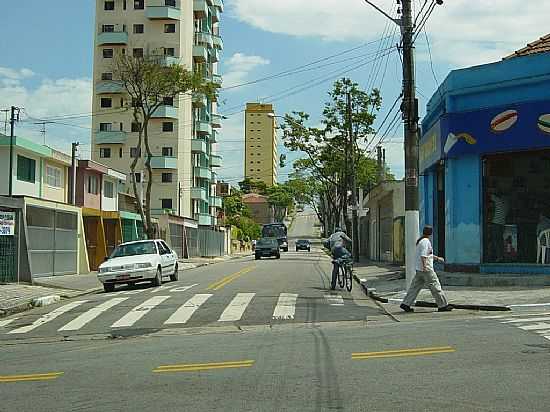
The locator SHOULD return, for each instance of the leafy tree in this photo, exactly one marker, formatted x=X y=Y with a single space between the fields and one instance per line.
x=253 y=186
x=149 y=83
x=281 y=198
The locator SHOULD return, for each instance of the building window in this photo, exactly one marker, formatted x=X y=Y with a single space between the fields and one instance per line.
x=167 y=151
x=169 y=51
x=93 y=185
x=120 y=151
x=139 y=4
x=109 y=5
x=105 y=127
x=108 y=28
x=136 y=127
x=109 y=190
x=54 y=176
x=170 y=3
x=107 y=53
x=170 y=28
x=137 y=176
x=166 y=203
x=105 y=152
x=106 y=102
x=168 y=101
x=124 y=5
x=167 y=126
x=135 y=152
x=26 y=169
x=106 y=76
x=139 y=28
x=167 y=178
x=138 y=52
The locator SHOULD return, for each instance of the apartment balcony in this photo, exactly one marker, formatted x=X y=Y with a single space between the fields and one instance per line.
x=204 y=38
x=215 y=161
x=111 y=137
x=204 y=219
x=164 y=162
x=169 y=61
x=166 y=112
x=218 y=4
x=200 y=8
x=202 y=172
x=214 y=137
x=112 y=37
x=217 y=79
x=198 y=146
x=199 y=193
x=215 y=14
x=199 y=100
x=217 y=42
x=216 y=120
x=200 y=53
x=202 y=127
x=110 y=87
x=162 y=13
x=214 y=55
x=216 y=201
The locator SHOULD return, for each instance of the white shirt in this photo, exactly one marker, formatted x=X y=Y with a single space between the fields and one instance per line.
x=424 y=249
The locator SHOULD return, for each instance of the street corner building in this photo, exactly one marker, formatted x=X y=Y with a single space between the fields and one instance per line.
x=485 y=165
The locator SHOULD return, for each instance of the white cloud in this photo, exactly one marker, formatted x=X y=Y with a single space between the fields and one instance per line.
x=12 y=74
x=239 y=66
x=463 y=32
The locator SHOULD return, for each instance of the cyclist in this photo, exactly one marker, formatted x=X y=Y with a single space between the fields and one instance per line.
x=338 y=250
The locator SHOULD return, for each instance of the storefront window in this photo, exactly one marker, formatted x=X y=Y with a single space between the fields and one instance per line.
x=516 y=206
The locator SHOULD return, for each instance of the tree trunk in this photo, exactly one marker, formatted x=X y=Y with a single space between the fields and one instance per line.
x=150 y=230
x=139 y=200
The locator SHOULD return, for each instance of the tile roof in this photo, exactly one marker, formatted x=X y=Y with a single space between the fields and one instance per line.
x=541 y=45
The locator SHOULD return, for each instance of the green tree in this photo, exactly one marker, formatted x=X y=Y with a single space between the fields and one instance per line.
x=252 y=186
x=281 y=198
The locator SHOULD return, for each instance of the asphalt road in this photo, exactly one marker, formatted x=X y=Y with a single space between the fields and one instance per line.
x=267 y=336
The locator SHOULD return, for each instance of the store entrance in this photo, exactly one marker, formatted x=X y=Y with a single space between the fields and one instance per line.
x=440 y=212
x=516 y=205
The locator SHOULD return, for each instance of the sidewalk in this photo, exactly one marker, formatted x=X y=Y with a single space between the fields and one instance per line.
x=386 y=283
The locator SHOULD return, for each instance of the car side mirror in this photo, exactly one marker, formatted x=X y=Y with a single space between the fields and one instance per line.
x=106 y=258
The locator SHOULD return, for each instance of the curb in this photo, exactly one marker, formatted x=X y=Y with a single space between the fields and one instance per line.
x=375 y=296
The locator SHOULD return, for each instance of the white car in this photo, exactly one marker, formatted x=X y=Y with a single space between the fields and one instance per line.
x=132 y=262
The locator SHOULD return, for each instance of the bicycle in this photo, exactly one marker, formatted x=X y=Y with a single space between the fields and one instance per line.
x=345 y=273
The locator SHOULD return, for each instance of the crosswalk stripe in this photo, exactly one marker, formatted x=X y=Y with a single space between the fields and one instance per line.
x=90 y=315
x=6 y=322
x=526 y=320
x=335 y=300
x=186 y=310
x=286 y=306
x=48 y=317
x=536 y=326
x=235 y=310
x=138 y=312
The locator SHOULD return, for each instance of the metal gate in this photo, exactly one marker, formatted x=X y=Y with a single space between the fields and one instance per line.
x=176 y=238
x=8 y=258
x=211 y=243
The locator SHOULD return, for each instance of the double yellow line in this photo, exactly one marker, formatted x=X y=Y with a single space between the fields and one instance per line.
x=33 y=377
x=228 y=279
x=193 y=367
x=401 y=353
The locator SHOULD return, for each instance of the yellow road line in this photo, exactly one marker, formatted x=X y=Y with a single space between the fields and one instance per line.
x=402 y=353
x=203 y=366
x=227 y=279
x=31 y=377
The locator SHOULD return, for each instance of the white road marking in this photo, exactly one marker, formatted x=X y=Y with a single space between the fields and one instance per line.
x=7 y=322
x=543 y=332
x=48 y=317
x=335 y=300
x=186 y=310
x=525 y=320
x=286 y=306
x=138 y=312
x=234 y=311
x=183 y=288
x=132 y=292
x=529 y=305
x=536 y=326
x=90 y=315
x=515 y=315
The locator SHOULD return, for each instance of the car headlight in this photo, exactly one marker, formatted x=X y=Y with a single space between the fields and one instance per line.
x=144 y=265
x=104 y=270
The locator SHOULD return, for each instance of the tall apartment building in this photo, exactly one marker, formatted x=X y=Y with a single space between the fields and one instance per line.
x=184 y=131
x=261 y=160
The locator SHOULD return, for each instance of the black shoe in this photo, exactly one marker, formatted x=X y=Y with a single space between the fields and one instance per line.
x=406 y=308
x=447 y=308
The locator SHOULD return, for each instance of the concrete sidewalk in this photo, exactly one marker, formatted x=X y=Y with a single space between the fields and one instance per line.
x=387 y=284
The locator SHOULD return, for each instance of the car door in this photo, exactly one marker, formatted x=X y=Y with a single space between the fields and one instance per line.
x=170 y=255
x=163 y=256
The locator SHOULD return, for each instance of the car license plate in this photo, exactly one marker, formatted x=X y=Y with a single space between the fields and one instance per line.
x=123 y=277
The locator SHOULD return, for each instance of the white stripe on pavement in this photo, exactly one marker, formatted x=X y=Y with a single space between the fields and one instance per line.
x=536 y=326
x=234 y=311
x=186 y=310
x=90 y=315
x=6 y=322
x=183 y=288
x=138 y=312
x=525 y=320
x=286 y=306
x=516 y=315
x=335 y=300
x=48 y=317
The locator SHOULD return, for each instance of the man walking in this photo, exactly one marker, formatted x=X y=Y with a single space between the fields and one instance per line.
x=425 y=275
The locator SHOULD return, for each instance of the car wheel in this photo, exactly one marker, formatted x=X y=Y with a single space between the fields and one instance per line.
x=157 y=281
x=308 y=249
x=174 y=276
x=109 y=287
x=257 y=257
x=278 y=256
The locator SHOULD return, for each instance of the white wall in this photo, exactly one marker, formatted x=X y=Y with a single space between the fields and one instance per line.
x=109 y=204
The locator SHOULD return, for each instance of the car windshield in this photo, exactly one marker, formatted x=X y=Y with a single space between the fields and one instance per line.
x=267 y=242
x=134 y=249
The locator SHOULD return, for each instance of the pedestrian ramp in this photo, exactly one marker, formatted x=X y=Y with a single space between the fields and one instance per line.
x=537 y=322
x=165 y=310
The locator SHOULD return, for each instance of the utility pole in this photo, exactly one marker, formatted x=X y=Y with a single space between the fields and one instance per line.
x=13 y=119
x=74 y=148
x=353 y=178
x=410 y=117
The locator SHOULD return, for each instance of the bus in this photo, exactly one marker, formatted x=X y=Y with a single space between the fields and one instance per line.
x=279 y=231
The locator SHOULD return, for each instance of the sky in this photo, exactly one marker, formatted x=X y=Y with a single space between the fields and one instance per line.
x=297 y=49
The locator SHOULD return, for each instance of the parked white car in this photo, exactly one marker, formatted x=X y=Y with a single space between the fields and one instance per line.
x=133 y=262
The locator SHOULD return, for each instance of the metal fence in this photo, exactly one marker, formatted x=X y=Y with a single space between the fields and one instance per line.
x=8 y=258
x=204 y=242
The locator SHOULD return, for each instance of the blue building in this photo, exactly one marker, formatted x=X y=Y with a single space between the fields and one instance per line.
x=485 y=165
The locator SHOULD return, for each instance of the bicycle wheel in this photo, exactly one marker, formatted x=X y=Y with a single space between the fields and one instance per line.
x=349 y=278
x=341 y=276
x=334 y=275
